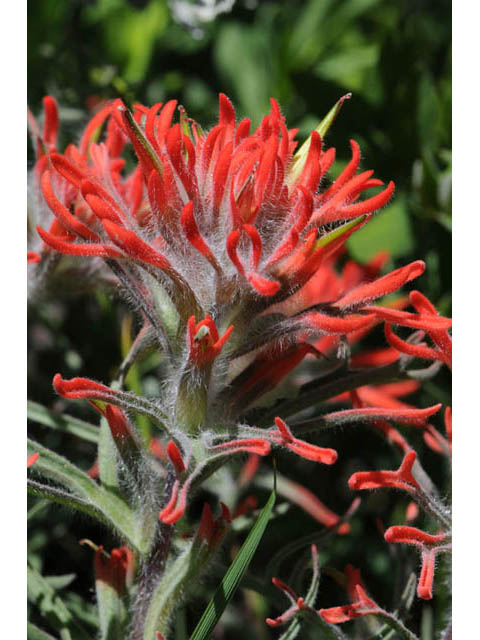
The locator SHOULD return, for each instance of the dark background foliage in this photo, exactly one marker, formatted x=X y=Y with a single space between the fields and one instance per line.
x=395 y=57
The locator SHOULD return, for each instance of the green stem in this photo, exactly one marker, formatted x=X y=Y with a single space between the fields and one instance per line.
x=323 y=391
x=399 y=627
x=153 y=569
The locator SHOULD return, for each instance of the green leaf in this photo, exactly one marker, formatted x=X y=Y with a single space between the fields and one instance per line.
x=234 y=575
x=300 y=157
x=44 y=596
x=60 y=582
x=107 y=458
x=61 y=422
x=52 y=494
x=112 y=611
x=115 y=511
x=34 y=633
x=326 y=239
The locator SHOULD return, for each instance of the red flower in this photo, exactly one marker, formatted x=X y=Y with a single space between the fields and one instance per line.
x=114 y=569
x=211 y=531
x=362 y=606
x=429 y=546
x=32 y=459
x=400 y=479
x=203 y=339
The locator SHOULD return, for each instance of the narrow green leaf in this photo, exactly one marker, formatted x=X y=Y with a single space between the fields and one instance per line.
x=234 y=575
x=44 y=596
x=61 y=422
x=112 y=611
x=107 y=458
x=115 y=511
x=64 y=498
x=60 y=582
x=157 y=163
x=326 y=239
x=34 y=633
x=300 y=157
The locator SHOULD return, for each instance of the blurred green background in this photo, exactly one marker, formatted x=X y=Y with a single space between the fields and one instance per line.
x=395 y=57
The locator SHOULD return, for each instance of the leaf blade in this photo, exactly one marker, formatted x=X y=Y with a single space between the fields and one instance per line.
x=235 y=573
x=61 y=422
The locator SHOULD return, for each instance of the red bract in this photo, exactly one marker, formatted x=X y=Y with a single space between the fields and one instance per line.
x=228 y=228
x=203 y=339
x=114 y=569
x=192 y=189
x=429 y=546
x=362 y=606
x=32 y=459
x=211 y=531
x=309 y=451
x=400 y=479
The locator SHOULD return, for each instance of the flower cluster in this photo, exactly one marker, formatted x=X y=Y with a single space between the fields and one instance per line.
x=229 y=245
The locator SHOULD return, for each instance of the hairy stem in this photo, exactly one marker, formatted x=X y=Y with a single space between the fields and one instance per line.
x=153 y=568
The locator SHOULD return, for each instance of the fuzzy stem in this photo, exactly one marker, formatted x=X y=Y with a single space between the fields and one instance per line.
x=434 y=508
x=313 y=395
x=399 y=627
x=153 y=568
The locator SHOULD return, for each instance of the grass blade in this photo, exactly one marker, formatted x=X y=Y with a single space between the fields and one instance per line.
x=234 y=575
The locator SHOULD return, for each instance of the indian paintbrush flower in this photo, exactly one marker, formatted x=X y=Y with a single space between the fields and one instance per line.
x=228 y=244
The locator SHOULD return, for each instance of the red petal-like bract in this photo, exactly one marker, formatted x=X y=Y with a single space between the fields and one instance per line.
x=175 y=456
x=429 y=546
x=113 y=570
x=362 y=606
x=302 y=448
x=78 y=388
x=32 y=459
x=400 y=479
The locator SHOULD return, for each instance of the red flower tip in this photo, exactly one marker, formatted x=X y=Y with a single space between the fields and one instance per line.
x=246 y=506
x=176 y=505
x=33 y=257
x=411 y=535
x=50 y=127
x=448 y=424
x=204 y=342
x=118 y=423
x=283 y=586
x=175 y=456
x=365 y=293
x=192 y=233
x=429 y=546
x=78 y=388
x=400 y=479
x=362 y=606
x=213 y=530
x=302 y=448
x=32 y=459
x=114 y=570
x=273 y=622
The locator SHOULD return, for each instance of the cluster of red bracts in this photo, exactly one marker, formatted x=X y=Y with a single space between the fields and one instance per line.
x=429 y=544
x=229 y=218
x=192 y=189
